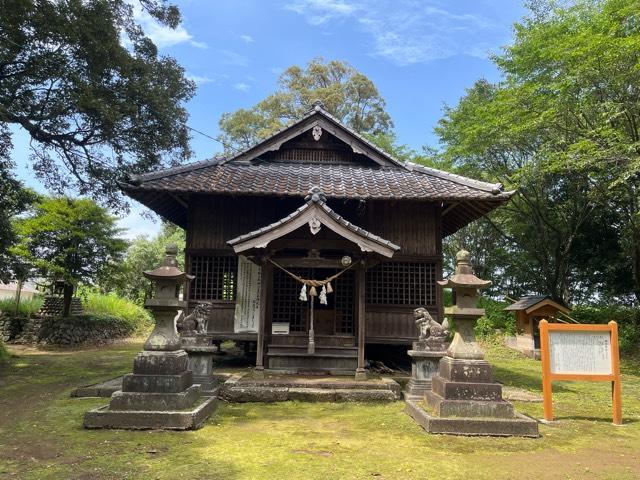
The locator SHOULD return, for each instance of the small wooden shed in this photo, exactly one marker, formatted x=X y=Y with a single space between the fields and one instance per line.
x=529 y=311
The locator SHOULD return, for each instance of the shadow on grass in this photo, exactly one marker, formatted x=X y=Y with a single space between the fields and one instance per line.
x=527 y=381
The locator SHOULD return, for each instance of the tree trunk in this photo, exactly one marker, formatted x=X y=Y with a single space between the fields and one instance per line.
x=18 y=295
x=66 y=301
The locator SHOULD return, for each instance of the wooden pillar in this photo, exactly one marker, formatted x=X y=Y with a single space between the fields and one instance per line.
x=360 y=371
x=264 y=291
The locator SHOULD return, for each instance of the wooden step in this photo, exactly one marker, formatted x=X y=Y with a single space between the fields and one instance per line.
x=306 y=362
x=320 y=350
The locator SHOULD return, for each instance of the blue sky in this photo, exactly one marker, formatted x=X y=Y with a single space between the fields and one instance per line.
x=420 y=54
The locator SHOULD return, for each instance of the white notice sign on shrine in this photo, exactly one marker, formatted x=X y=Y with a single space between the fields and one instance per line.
x=580 y=352
x=247 y=314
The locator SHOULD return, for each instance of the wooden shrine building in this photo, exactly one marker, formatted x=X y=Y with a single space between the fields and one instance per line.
x=529 y=311
x=314 y=201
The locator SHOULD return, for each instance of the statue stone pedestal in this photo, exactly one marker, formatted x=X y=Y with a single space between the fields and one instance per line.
x=201 y=351
x=424 y=365
x=464 y=398
x=160 y=393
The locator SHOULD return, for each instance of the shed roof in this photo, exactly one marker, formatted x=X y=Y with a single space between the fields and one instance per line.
x=530 y=303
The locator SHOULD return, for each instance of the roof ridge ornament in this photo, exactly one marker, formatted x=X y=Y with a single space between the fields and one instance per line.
x=317 y=105
x=316 y=195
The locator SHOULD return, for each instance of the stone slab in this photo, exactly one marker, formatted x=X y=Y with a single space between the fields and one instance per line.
x=476 y=371
x=239 y=389
x=155 y=401
x=103 y=389
x=192 y=419
x=157 y=383
x=466 y=390
x=519 y=426
x=160 y=363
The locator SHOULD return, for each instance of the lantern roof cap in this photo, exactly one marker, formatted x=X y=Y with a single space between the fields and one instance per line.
x=464 y=275
x=169 y=269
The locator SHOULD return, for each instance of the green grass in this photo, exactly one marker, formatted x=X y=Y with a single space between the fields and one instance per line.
x=4 y=353
x=41 y=436
x=111 y=304
x=26 y=307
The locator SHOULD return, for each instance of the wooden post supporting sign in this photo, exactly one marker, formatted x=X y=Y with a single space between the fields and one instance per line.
x=580 y=352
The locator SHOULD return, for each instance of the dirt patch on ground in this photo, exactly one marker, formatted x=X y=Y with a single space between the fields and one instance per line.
x=514 y=394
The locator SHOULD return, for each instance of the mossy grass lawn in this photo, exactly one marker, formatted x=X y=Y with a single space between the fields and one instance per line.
x=41 y=434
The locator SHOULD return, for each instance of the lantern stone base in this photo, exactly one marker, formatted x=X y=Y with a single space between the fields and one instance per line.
x=192 y=419
x=465 y=400
x=517 y=426
x=424 y=365
x=158 y=394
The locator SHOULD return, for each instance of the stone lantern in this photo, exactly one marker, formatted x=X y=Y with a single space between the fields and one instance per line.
x=168 y=279
x=464 y=398
x=160 y=392
x=464 y=312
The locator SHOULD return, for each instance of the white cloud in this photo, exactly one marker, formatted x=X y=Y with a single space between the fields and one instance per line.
x=242 y=87
x=318 y=12
x=232 y=58
x=162 y=35
x=404 y=32
x=246 y=38
x=202 y=79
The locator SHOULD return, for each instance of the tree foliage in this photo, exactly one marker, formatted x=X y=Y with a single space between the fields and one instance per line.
x=345 y=93
x=144 y=253
x=90 y=89
x=563 y=128
x=14 y=199
x=74 y=240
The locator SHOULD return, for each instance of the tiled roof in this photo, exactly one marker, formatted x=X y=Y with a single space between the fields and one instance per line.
x=336 y=181
x=525 y=302
x=528 y=301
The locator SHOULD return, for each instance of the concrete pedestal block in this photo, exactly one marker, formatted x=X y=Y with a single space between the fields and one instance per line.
x=468 y=408
x=161 y=363
x=154 y=401
x=134 y=382
x=191 y=419
x=477 y=371
x=516 y=426
x=466 y=390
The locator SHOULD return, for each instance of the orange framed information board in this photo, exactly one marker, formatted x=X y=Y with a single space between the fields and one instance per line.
x=580 y=352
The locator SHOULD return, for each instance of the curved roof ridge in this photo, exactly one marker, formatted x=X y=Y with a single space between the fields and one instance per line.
x=494 y=188
x=188 y=167
x=317 y=109
x=316 y=198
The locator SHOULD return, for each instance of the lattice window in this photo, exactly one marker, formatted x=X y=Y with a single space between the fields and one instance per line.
x=307 y=155
x=286 y=306
x=344 y=291
x=215 y=278
x=402 y=283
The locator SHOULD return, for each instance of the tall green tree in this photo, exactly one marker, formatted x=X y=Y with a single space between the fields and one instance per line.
x=98 y=101
x=579 y=68
x=345 y=93
x=70 y=239
x=563 y=127
x=14 y=199
x=125 y=278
